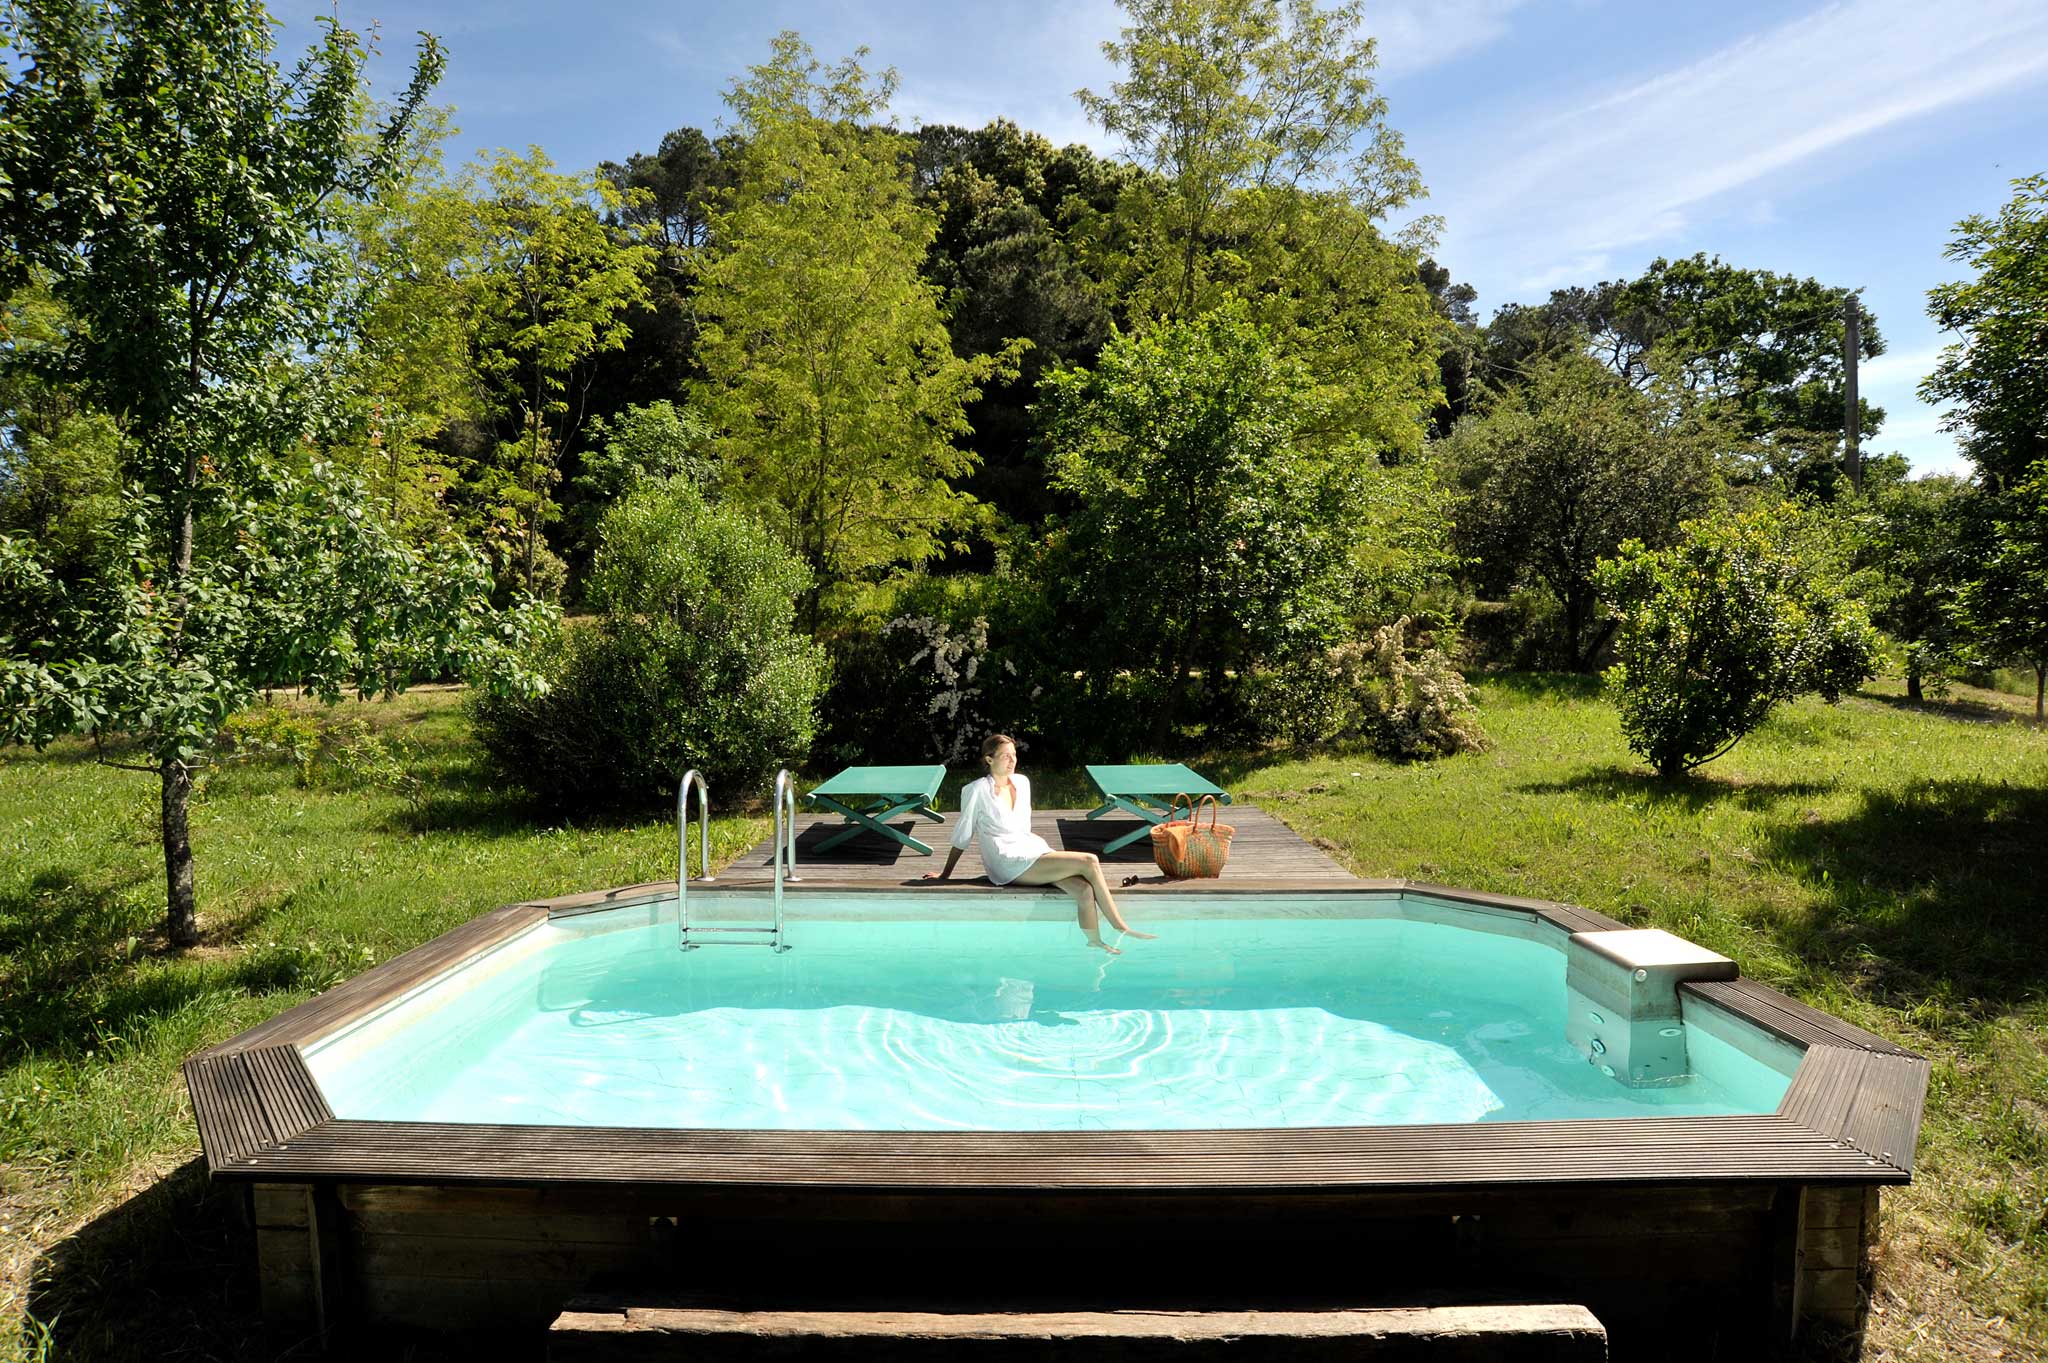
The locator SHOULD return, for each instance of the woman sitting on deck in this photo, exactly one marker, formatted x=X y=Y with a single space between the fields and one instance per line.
x=997 y=809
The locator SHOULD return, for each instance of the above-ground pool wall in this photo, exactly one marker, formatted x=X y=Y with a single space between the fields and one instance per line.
x=1701 y=1271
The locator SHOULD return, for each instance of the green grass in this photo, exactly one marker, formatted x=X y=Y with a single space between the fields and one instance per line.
x=1880 y=860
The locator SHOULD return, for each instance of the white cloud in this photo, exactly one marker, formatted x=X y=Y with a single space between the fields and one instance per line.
x=1635 y=163
x=1898 y=369
x=1416 y=34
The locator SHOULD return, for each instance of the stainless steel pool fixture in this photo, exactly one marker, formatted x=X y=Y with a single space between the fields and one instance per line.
x=693 y=778
x=722 y=934
x=785 y=845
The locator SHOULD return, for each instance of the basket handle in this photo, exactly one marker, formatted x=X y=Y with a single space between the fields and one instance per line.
x=1176 y=802
x=1208 y=803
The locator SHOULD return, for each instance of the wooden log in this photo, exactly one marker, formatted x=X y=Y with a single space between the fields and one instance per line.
x=595 y=1332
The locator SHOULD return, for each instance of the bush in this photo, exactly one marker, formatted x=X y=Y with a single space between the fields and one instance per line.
x=1407 y=701
x=1718 y=629
x=693 y=661
x=915 y=689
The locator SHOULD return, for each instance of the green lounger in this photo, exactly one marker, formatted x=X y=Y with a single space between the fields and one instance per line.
x=871 y=796
x=1147 y=791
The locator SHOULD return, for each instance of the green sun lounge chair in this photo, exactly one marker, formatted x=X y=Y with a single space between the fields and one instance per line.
x=871 y=796
x=1147 y=791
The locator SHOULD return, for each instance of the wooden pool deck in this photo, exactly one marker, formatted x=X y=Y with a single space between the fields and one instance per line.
x=1263 y=849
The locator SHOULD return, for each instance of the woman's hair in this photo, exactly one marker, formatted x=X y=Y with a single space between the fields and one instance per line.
x=990 y=744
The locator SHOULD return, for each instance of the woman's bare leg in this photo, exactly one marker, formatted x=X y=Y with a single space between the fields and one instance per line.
x=1057 y=866
x=1084 y=911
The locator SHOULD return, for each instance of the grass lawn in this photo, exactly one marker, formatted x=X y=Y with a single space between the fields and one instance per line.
x=1882 y=861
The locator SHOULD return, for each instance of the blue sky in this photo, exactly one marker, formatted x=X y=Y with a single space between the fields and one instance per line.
x=1563 y=142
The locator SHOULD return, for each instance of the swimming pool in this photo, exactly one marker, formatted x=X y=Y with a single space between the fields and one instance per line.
x=931 y=1015
x=1298 y=1088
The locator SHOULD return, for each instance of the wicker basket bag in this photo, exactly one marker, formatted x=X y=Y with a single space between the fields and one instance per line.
x=1186 y=849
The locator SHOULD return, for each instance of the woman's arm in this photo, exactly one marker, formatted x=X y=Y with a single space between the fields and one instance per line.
x=963 y=829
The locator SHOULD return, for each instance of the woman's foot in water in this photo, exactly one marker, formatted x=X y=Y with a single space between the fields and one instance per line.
x=1101 y=945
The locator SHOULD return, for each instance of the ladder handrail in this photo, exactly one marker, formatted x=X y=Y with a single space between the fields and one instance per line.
x=692 y=777
x=785 y=843
x=784 y=849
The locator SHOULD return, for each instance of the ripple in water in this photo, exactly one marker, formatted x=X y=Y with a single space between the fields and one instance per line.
x=877 y=1068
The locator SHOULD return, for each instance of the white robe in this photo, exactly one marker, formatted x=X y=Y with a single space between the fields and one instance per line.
x=1008 y=846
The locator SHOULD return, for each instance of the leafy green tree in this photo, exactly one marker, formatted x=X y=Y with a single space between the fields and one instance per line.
x=649 y=444
x=1564 y=468
x=552 y=286
x=1220 y=97
x=831 y=381
x=694 y=660
x=672 y=194
x=1007 y=258
x=410 y=369
x=182 y=197
x=1460 y=346
x=668 y=197
x=2002 y=604
x=1911 y=568
x=1211 y=527
x=1718 y=629
x=1272 y=166
x=1765 y=348
x=1996 y=375
x=60 y=458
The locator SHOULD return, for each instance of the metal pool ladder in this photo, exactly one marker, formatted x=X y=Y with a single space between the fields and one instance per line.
x=687 y=938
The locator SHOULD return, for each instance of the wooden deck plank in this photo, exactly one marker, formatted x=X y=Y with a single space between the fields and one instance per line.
x=1263 y=848
x=1788 y=1017
x=1647 y=1150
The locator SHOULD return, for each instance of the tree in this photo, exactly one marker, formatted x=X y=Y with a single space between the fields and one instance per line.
x=1765 y=348
x=649 y=444
x=1911 y=567
x=1211 y=527
x=2002 y=604
x=410 y=370
x=1220 y=97
x=552 y=285
x=831 y=382
x=1009 y=210
x=1996 y=375
x=183 y=199
x=1564 y=468
x=1718 y=629
x=1272 y=167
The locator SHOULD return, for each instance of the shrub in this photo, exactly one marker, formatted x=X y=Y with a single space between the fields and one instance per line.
x=1416 y=703
x=1407 y=701
x=915 y=688
x=693 y=661
x=1719 y=628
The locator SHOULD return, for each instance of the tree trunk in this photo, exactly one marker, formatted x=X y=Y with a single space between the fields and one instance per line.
x=1162 y=726
x=182 y=924
x=2040 y=686
x=1912 y=682
x=1574 y=623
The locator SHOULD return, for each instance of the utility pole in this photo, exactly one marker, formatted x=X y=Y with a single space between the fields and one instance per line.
x=1852 y=411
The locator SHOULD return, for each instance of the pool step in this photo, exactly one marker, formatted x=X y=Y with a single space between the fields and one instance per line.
x=611 y=1330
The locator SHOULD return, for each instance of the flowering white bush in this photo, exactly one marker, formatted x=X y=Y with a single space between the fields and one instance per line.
x=945 y=674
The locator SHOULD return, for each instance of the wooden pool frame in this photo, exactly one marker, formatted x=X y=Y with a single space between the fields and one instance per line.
x=1757 y=1227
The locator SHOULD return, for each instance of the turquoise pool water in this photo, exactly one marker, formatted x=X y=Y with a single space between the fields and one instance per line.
x=1010 y=1025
